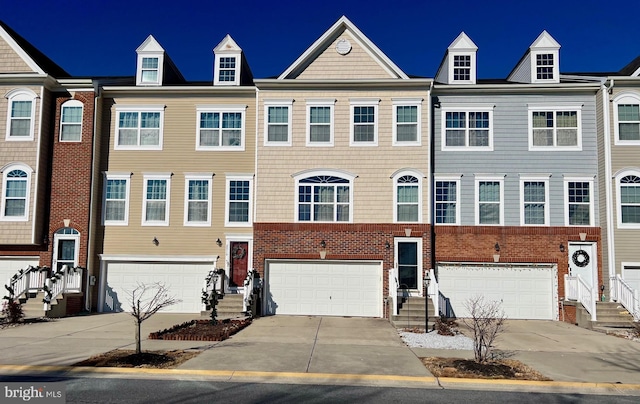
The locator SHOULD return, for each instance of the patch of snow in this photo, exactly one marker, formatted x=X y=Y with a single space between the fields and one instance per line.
x=436 y=341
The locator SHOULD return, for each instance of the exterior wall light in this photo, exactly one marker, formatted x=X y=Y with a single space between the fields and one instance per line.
x=561 y=247
x=219 y=242
x=155 y=241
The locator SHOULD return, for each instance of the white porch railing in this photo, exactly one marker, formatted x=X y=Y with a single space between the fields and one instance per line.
x=248 y=291
x=31 y=279
x=576 y=289
x=64 y=280
x=394 y=287
x=622 y=293
x=434 y=290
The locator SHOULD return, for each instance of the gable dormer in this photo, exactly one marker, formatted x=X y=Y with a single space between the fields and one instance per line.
x=150 y=66
x=227 y=63
x=540 y=64
x=459 y=64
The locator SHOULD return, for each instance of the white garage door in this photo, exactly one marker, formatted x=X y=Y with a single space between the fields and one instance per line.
x=11 y=266
x=333 y=288
x=184 y=280
x=526 y=292
x=632 y=277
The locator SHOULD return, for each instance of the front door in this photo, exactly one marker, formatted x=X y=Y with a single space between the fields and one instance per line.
x=239 y=262
x=65 y=248
x=408 y=259
x=582 y=261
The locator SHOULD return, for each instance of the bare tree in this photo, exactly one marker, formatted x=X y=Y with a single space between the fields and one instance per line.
x=147 y=300
x=487 y=322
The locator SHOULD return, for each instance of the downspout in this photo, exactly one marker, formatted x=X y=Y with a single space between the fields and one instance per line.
x=35 y=183
x=90 y=246
x=431 y=180
x=608 y=183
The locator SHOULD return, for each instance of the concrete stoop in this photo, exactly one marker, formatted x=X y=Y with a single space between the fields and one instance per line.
x=609 y=315
x=229 y=306
x=411 y=314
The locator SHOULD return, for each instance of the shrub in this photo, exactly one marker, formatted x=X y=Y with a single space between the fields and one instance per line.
x=12 y=311
x=446 y=326
x=487 y=322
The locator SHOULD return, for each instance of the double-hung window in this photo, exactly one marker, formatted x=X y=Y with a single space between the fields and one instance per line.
x=364 y=122
x=408 y=200
x=116 y=199
x=406 y=122
x=197 y=193
x=555 y=128
x=534 y=194
x=227 y=72
x=628 y=184
x=467 y=129
x=15 y=195
x=324 y=198
x=71 y=121
x=139 y=128
x=461 y=67
x=149 y=70
x=578 y=201
x=489 y=200
x=157 y=189
x=221 y=128
x=239 y=200
x=320 y=122
x=21 y=113
x=544 y=66
x=277 y=122
x=627 y=118
x=447 y=199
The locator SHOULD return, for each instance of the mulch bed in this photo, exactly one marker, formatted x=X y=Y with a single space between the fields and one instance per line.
x=202 y=330
x=121 y=358
x=466 y=368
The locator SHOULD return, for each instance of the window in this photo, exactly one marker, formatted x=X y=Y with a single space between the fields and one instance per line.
x=221 y=128
x=446 y=204
x=197 y=200
x=320 y=122
x=71 y=121
x=408 y=196
x=149 y=70
x=15 y=197
x=468 y=129
x=406 y=122
x=489 y=197
x=544 y=66
x=364 y=122
x=462 y=67
x=155 y=211
x=238 y=210
x=278 y=122
x=628 y=184
x=116 y=199
x=534 y=194
x=21 y=112
x=325 y=197
x=227 y=72
x=554 y=129
x=579 y=202
x=139 y=128
x=627 y=118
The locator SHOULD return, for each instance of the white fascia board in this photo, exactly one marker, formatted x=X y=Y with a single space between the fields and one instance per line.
x=23 y=55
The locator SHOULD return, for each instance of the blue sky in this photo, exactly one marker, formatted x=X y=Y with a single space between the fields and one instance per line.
x=90 y=37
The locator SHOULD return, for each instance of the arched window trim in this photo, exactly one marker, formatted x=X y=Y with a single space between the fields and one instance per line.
x=398 y=177
x=6 y=171
x=619 y=184
x=626 y=97
x=314 y=180
x=67 y=104
x=20 y=95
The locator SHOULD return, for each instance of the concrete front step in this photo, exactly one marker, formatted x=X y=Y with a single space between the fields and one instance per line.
x=414 y=324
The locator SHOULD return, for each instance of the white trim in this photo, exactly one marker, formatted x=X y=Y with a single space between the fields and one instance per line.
x=555 y=108
x=589 y=180
x=238 y=177
x=327 y=103
x=21 y=94
x=466 y=109
x=167 y=199
x=116 y=176
x=396 y=177
x=203 y=177
x=322 y=172
x=618 y=185
x=71 y=104
x=489 y=178
x=221 y=109
x=472 y=66
x=626 y=97
x=407 y=102
x=544 y=178
x=447 y=178
x=58 y=237
x=278 y=103
x=363 y=102
x=27 y=198
x=237 y=56
x=159 y=70
x=534 y=66
x=139 y=109
x=625 y=264
x=21 y=52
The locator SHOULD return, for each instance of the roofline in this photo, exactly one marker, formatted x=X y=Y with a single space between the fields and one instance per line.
x=300 y=83
x=518 y=87
x=177 y=89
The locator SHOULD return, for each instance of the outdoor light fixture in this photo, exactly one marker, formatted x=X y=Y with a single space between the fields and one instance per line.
x=427 y=281
x=323 y=249
x=387 y=245
x=155 y=241
x=219 y=242
x=497 y=247
x=561 y=247
x=496 y=256
x=323 y=244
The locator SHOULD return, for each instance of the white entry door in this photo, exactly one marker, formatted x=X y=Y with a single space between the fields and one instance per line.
x=582 y=261
x=65 y=248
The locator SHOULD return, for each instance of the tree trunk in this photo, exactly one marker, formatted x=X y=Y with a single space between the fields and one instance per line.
x=138 y=343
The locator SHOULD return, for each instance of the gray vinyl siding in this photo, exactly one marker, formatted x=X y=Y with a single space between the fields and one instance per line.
x=522 y=73
x=511 y=156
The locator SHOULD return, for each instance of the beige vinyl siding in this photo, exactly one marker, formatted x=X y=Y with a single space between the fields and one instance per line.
x=373 y=165
x=357 y=64
x=24 y=152
x=179 y=157
x=10 y=61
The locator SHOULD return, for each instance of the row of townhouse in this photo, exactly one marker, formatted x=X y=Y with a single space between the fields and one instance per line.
x=337 y=184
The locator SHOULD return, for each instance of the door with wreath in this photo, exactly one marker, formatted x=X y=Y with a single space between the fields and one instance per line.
x=239 y=262
x=582 y=261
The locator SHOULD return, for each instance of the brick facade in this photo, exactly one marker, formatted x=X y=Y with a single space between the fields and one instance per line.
x=343 y=242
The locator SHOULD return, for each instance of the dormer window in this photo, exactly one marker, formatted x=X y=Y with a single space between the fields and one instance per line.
x=544 y=66
x=461 y=67
x=150 y=66
x=149 y=70
x=227 y=63
x=227 y=69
